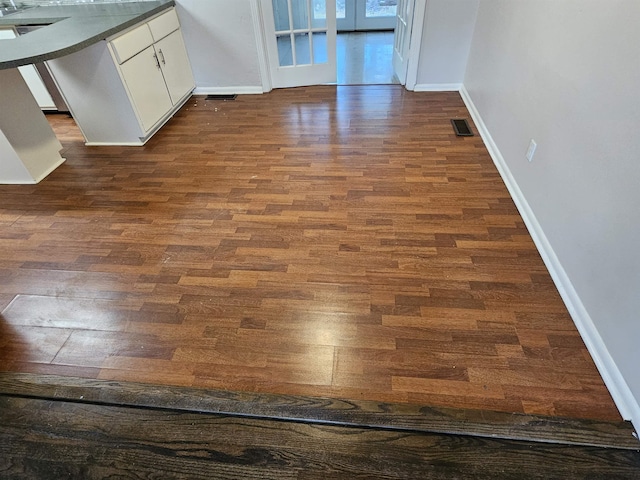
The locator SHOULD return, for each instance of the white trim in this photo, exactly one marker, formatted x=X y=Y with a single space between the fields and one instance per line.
x=18 y=182
x=228 y=90
x=261 y=45
x=438 y=87
x=618 y=388
x=117 y=144
x=415 y=44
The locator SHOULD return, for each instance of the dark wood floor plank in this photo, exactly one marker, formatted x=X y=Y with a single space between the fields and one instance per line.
x=415 y=418
x=51 y=440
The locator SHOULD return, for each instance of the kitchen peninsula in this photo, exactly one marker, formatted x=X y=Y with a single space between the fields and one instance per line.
x=122 y=68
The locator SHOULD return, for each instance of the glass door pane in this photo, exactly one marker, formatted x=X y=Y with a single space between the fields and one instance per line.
x=366 y=14
x=346 y=15
x=319 y=17
x=381 y=8
x=281 y=14
x=376 y=14
x=301 y=28
x=303 y=48
x=300 y=14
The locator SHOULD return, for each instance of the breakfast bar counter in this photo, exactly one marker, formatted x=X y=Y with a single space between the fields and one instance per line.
x=29 y=150
x=70 y=28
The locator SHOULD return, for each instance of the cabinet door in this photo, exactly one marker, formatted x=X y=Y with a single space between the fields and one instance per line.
x=146 y=86
x=175 y=66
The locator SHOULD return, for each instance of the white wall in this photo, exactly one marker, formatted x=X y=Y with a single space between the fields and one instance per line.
x=220 y=40
x=566 y=73
x=446 y=40
x=222 y=47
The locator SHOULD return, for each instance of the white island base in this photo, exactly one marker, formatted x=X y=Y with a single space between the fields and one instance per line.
x=29 y=150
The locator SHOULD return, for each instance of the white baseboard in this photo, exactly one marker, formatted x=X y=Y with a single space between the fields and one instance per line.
x=437 y=87
x=228 y=90
x=115 y=144
x=618 y=388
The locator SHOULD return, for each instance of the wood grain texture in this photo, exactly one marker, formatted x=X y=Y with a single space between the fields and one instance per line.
x=326 y=411
x=51 y=440
x=336 y=242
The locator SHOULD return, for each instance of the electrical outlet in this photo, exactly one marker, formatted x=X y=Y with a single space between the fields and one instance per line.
x=532 y=150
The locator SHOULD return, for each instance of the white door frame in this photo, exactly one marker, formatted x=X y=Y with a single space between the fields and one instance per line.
x=261 y=45
x=417 y=26
x=420 y=7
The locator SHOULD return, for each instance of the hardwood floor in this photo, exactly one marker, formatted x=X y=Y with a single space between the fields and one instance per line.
x=59 y=427
x=85 y=441
x=327 y=241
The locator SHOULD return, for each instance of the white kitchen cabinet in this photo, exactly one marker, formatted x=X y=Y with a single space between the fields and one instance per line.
x=146 y=84
x=176 y=69
x=154 y=66
x=122 y=90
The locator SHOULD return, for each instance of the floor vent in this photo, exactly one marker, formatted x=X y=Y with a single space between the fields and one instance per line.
x=225 y=98
x=461 y=127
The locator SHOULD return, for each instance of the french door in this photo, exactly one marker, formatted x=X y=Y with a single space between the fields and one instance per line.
x=300 y=41
x=402 y=39
x=366 y=14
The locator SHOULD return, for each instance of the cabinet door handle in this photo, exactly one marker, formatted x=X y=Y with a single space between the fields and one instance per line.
x=157 y=61
x=162 y=57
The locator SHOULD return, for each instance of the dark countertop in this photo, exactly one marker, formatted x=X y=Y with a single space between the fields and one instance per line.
x=70 y=28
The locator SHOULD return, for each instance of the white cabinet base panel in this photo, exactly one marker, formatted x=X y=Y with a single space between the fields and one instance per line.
x=29 y=150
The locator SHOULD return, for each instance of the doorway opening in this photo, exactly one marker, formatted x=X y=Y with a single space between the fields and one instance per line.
x=300 y=38
x=365 y=42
